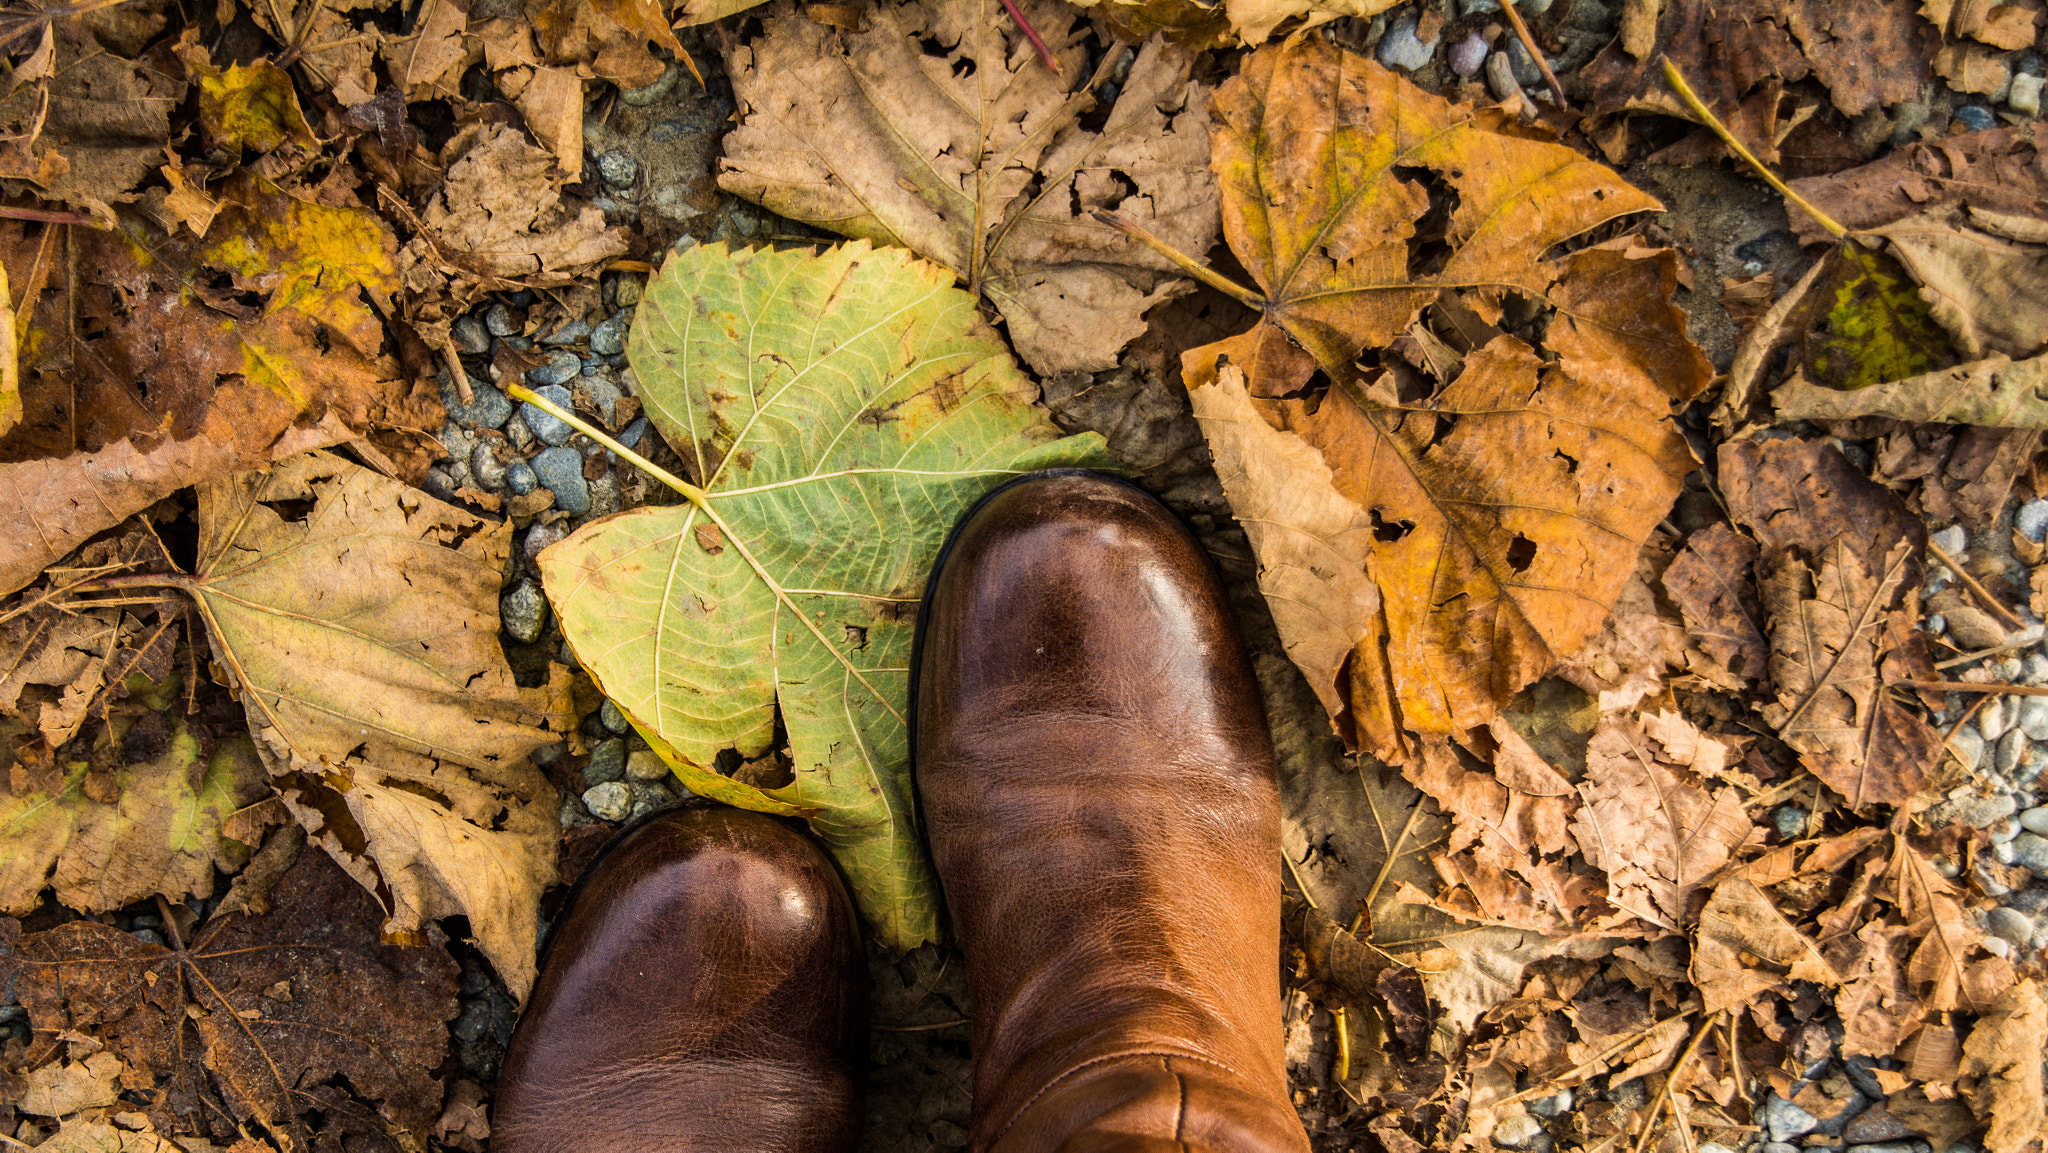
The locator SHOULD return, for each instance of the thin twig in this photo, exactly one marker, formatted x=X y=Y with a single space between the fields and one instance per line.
x=1699 y=108
x=1341 y=1072
x=1529 y=45
x=1296 y=874
x=43 y=216
x=1978 y=592
x=1671 y=1078
x=1031 y=34
x=1982 y=654
x=1973 y=687
x=920 y=1028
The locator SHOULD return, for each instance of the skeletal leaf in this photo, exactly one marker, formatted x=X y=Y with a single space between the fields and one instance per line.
x=839 y=410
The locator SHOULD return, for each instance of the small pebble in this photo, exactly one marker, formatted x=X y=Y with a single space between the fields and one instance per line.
x=1952 y=540
x=438 y=484
x=2035 y=821
x=549 y=428
x=148 y=936
x=1467 y=56
x=1892 y=1147
x=474 y=1021
x=2007 y=923
x=471 y=336
x=569 y=333
x=611 y=801
x=2003 y=831
x=2009 y=670
x=500 y=320
x=2030 y=520
x=2012 y=749
x=538 y=538
x=613 y=718
x=1947 y=868
x=1858 y=1069
x=1983 y=879
x=2025 y=97
x=524 y=611
x=1557 y=1103
x=2031 y=850
x=607 y=762
x=1994 y=718
x=488 y=410
x=1968 y=744
x=1936 y=623
x=559 y=369
x=1630 y=1095
x=1401 y=48
x=1518 y=58
x=1519 y=1131
x=2034 y=671
x=484 y=466
x=561 y=470
x=1790 y=821
x=1782 y=1119
x=518 y=432
x=618 y=168
x=519 y=478
x=609 y=338
x=1983 y=812
x=647 y=765
x=641 y=97
x=630 y=435
x=1975 y=118
x=1778 y=1147
x=601 y=393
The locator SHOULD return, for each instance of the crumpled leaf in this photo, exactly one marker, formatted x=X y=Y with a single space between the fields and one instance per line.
x=1803 y=494
x=1980 y=273
x=1711 y=582
x=2004 y=1055
x=1656 y=835
x=1825 y=630
x=1496 y=510
x=1739 y=928
x=834 y=466
x=1949 y=968
x=939 y=129
x=1998 y=170
x=1995 y=392
x=363 y=639
x=250 y=106
x=125 y=404
x=251 y=1020
x=163 y=834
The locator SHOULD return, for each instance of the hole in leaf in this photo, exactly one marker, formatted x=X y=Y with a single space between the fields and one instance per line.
x=1571 y=463
x=292 y=511
x=1445 y=422
x=1428 y=247
x=1387 y=533
x=1521 y=553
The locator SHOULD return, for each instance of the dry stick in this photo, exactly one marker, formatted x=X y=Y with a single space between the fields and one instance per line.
x=1599 y=1058
x=1031 y=34
x=1529 y=45
x=1676 y=79
x=1973 y=687
x=921 y=1028
x=1671 y=1078
x=1981 y=654
x=1341 y=1071
x=1978 y=592
x=43 y=217
x=1296 y=874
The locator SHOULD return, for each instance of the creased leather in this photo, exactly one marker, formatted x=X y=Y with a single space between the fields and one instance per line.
x=1098 y=787
x=705 y=992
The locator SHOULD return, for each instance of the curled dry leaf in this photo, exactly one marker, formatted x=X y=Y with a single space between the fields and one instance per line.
x=248 y=1022
x=1995 y=392
x=1744 y=946
x=833 y=470
x=939 y=129
x=2004 y=1055
x=1441 y=543
x=1657 y=836
x=1711 y=581
x=359 y=618
x=1826 y=626
x=124 y=405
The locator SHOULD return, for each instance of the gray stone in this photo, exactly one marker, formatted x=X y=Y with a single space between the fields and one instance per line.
x=605 y=498
x=1468 y=56
x=1714 y=1147
x=607 y=762
x=561 y=470
x=2001 y=851
x=517 y=431
x=2012 y=749
x=2031 y=520
x=653 y=93
x=1952 y=540
x=1892 y=1147
x=538 y=538
x=2035 y=820
x=611 y=801
x=2031 y=850
x=519 y=478
x=613 y=719
x=524 y=611
x=1968 y=744
x=602 y=393
x=1782 y=1119
x=1551 y=1106
x=501 y=320
x=618 y=168
x=148 y=936
x=609 y=338
x=1875 y=1125
x=630 y=435
x=438 y=484
x=1520 y=1131
x=488 y=410
x=1858 y=1070
x=474 y=1022
x=2010 y=924
x=2002 y=831
x=1401 y=48
x=1629 y=1095
x=2025 y=99
x=1975 y=118
x=1778 y=1147
x=1983 y=812
x=560 y=369
x=1789 y=821
x=470 y=335
x=568 y=333
x=1526 y=71
x=1935 y=623
x=2033 y=711
x=646 y=765
x=484 y=466
x=1994 y=718
x=549 y=428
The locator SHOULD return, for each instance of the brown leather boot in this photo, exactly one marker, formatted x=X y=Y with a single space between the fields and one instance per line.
x=704 y=992
x=1098 y=787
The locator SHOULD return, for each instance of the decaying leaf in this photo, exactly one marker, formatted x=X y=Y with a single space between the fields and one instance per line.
x=1826 y=624
x=1865 y=323
x=1804 y=494
x=2004 y=1054
x=253 y=1020
x=1997 y=392
x=833 y=469
x=126 y=403
x=1744 y=946
x=1657 y=835
x=362 y=634
x=938 y=128
x=1949 y=968
x=1495 y=511
x=162 y=834
x=1711 y=582
x=2000 y=170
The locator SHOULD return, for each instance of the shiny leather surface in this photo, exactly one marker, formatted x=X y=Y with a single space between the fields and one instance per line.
x=704 y=992
x=1098 y=787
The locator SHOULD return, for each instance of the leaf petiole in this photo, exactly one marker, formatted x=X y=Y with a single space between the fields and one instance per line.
x=1699 y=108
x=689 y=492
x=1186 y=263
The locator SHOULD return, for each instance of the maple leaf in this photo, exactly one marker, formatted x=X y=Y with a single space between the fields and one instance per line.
x=939 y=130
x=161 y=834
x=836 y=413
x=1447 y=540
x=1830 y=706
x=246 y=1022
x=1657 y=837
x=125 y=404
x=1744 y=946
x=2004 y=1055
x=362 y=635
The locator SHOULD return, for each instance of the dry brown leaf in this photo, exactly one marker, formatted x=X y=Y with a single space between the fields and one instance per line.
x=1712 y=581
x=940 y=130
x=1657 y=836
x=1875 y=1002
x=1803 y=494
x=1980 y=283
x=2004 y=1053
x=1869 y=55
x=362 y=634
x=1485 y=573
x=1744 y=946
x=1996 y=392
x=1949 y=968
x=1999 y=170
x=1826 y=626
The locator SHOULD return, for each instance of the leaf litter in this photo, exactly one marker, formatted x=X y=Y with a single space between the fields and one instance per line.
x=1681 y=772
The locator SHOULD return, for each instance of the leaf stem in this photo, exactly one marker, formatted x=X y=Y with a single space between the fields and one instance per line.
x=689 y=492
x=1974 y=687
x=1699 y=108
x=1182 y=260
x=1031 y=34
x=1529 y=46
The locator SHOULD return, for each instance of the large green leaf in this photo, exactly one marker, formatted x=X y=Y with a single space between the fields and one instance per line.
x=840 y=410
